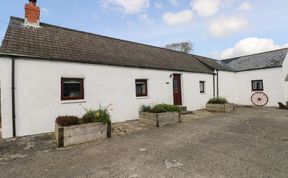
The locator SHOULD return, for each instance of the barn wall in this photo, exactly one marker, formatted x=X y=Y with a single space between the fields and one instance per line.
x=38 y=89
x=227 y=82
x=236 y=87
x=273 y=85
x=192 y=98
x=6 y=102
x=285 y=73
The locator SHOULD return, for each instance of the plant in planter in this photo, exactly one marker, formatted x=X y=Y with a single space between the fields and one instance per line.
x=219 y=100
x=67 y=120
x=159 y=115
x=219 y=104
x=100 y=115
x=71 y=130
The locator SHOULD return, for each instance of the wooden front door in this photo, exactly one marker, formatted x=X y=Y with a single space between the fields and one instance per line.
x=177 y=89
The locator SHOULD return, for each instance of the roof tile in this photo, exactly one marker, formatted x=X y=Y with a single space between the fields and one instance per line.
x=270 y=59
x=58 y=43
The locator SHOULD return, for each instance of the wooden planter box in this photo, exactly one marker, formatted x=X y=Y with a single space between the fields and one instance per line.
x=159 y=119
x=229 y=107
x=77 y=134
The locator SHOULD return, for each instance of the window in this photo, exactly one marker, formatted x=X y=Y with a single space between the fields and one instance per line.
x=175 y=84
x=257 y=85
x=72 y=89
x=202 y=86
x=141 y=88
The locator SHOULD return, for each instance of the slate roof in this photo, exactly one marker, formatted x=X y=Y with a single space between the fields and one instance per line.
x=58 y=43
x=270 y=59
x=213 y=63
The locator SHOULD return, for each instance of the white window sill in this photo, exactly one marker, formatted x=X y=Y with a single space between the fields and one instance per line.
x=73 y=101
x=142 y=97
x=203 y=93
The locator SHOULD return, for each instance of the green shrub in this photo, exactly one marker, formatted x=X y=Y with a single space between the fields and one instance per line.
x=160 y=108
x=219 y=100
x=100 y=115
x=90 y=116
x=67 y=120
x=146 y=108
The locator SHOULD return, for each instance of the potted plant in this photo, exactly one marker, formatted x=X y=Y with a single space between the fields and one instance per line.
x=94 y=125
x=219 y=104
x=159 y=115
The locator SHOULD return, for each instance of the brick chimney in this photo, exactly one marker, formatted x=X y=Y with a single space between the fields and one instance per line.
x=32 y=14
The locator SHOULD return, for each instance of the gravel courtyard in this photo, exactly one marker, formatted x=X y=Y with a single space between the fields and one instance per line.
x=251 y=142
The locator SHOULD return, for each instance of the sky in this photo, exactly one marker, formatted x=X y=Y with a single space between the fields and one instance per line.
x=217 y=28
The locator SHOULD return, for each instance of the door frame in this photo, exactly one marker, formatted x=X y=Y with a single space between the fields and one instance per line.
x=180 y=89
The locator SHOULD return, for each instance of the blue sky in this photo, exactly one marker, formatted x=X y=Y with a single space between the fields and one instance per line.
x=218 y=28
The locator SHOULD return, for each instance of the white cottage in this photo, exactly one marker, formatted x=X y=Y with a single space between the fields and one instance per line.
x=258 y=73
x=47 y=71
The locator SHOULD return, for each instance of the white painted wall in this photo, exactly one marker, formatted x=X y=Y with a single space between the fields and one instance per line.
x=192 y=98
x=227 y=82
x=273 y=85
x=6 y=104
x=285 y=73
x=38 y=91
x=236 y=87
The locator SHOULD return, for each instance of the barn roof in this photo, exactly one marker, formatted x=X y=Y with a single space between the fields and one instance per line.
x=58 y=43
x=213 y=64
x=270 y=59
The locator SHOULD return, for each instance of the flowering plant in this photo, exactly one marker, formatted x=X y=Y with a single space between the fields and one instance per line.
x=101 y=114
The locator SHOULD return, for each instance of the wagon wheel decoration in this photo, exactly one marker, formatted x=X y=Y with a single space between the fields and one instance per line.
x=259 y=99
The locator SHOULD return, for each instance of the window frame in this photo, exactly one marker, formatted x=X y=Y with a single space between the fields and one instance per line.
x=204 y=88
x=253 y=81
x=146 y=87
x=65 y=98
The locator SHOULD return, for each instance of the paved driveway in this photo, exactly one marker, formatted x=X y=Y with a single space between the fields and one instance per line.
x=251 y=142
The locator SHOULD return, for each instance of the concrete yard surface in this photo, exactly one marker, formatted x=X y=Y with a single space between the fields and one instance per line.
x=250 y=142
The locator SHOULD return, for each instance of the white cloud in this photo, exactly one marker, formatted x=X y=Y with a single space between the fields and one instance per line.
x=174 y=2
x=246 y=6
x=206 y=8
x=145 y=19
x=226 y=26
x=249 y=46
x=178 y=18
x=158 y=5
x=44 y=11
x=127 y=6
x=228 y=3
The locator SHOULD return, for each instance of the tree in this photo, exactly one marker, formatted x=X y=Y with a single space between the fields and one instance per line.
x=186 y=46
